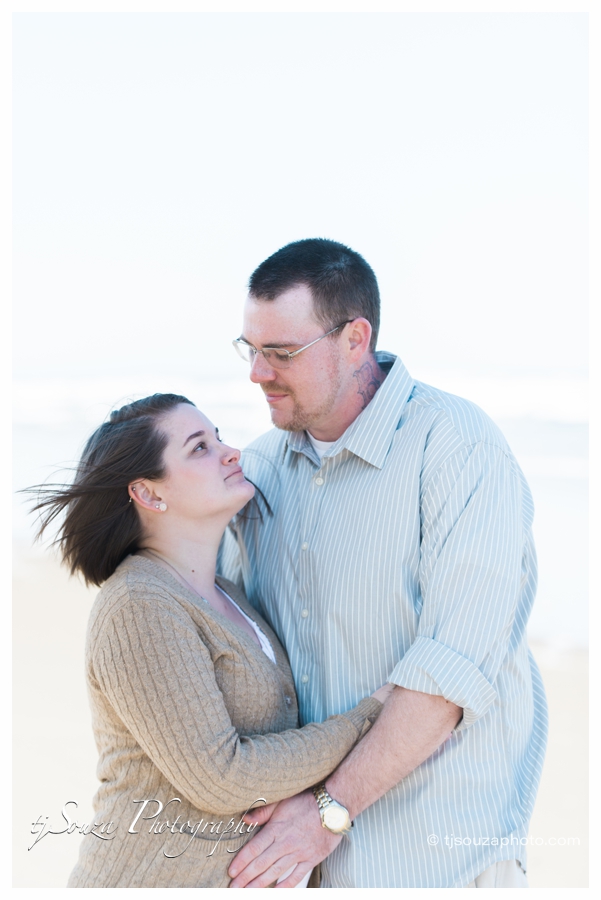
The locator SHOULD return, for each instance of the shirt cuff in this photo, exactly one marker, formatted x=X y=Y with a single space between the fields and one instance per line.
x=433 y=668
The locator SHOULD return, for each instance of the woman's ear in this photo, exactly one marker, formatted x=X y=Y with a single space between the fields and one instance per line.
x=144 y=494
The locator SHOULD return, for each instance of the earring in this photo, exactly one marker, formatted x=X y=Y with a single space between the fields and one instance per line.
x=161 y=506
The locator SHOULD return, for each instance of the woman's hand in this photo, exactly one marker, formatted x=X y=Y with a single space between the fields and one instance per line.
x=384 y=692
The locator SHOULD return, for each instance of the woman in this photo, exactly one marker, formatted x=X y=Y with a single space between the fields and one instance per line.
x=193 y=704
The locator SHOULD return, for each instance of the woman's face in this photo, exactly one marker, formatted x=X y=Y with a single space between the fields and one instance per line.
x=204 y=478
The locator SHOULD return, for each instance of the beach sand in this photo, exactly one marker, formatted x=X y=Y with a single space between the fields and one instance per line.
x=55 y=757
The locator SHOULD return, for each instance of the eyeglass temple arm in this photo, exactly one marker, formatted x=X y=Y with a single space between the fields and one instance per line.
x=306 y=347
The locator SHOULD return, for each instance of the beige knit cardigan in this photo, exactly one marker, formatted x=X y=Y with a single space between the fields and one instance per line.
x=190 y=715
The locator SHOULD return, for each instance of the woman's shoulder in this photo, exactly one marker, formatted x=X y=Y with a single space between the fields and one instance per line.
x=139 y=585
x=137 y=576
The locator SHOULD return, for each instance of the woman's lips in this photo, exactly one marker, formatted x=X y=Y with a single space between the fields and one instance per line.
x=237 y=471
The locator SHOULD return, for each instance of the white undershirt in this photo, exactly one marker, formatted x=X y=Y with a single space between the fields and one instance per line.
x=321 y=447
x=263 y=639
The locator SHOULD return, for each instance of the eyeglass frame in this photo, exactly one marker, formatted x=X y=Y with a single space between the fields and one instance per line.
x=238 y=341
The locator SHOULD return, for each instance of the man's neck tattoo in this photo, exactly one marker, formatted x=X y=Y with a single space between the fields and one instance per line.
x=369 y=379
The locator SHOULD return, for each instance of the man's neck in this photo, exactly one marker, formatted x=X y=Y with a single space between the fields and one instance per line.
x=361 y=388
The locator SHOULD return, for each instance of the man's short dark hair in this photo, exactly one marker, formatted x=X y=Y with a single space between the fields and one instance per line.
x=343 y=285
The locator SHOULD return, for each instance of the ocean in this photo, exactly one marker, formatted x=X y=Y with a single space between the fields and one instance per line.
x=542 y=417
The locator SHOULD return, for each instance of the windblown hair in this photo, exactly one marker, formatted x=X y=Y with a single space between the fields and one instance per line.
x=101 y=527
x=342 y=283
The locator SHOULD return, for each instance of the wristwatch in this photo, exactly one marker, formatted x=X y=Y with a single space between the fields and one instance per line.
x=334 y=816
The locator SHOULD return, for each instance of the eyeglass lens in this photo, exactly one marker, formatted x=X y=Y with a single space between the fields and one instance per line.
x=279 y=359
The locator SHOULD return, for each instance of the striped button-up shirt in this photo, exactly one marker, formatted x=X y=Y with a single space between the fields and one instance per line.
x=406 y=555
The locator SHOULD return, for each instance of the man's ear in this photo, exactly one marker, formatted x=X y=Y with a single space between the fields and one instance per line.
x=358 y=337
x=144 y=494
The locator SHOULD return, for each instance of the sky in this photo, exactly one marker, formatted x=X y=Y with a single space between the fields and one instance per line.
x=159 y=158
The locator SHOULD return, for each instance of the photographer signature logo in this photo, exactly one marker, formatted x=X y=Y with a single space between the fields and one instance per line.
x=106 y=831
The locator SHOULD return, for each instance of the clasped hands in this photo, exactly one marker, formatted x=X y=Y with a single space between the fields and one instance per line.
x=292 y=833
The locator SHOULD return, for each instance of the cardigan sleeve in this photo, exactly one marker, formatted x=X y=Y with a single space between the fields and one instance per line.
x=151 y=664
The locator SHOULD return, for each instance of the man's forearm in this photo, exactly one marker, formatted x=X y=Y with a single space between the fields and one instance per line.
x=409 y=729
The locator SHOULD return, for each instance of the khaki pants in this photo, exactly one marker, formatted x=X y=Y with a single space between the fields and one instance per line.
x=506 y=874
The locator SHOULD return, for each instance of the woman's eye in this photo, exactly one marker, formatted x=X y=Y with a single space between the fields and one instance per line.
x=201 y=446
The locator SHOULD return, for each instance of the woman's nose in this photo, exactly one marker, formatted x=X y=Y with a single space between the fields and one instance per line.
x=230 y=455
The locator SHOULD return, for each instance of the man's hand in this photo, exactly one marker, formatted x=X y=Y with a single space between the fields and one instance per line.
x=260 y=815
x=293 y=835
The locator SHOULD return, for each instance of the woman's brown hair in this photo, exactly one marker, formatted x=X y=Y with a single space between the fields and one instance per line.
x=101 y=527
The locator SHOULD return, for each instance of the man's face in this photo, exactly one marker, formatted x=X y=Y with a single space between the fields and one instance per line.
x=305 y=394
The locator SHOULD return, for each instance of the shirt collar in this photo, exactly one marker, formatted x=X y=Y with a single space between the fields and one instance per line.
x=370 y=435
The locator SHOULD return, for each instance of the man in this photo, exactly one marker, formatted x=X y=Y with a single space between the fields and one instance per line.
x=392 y=544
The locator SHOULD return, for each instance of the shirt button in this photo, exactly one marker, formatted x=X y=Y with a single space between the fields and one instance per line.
x=304 y=679
x=304 y=613
x=304 y=546
x=319 y=481
x=288 y=701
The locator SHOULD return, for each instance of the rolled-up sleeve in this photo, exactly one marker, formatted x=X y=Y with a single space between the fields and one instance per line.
x=471 y=556
x=432 y=668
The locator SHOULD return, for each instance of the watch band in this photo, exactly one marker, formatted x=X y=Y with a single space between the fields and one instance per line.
x=325 y=801
x=321 y=795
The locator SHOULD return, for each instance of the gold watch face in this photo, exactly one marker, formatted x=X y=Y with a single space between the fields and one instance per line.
x=336 y=819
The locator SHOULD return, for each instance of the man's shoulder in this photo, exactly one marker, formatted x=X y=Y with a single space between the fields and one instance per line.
x=470 y=424
x=268 y=447
x=262 y=459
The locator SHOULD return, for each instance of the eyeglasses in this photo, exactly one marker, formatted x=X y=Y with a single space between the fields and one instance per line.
x=276 y=357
